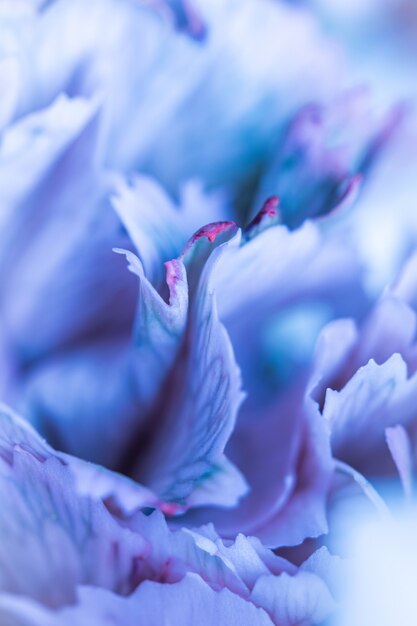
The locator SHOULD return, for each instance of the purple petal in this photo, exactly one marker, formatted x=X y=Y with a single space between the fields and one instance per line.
x=293 y=446
x=313 y=173
x=399 y=445
x=292 y=600
x=52 y=538
x=158 y=228
x=168 y=338
x=304 y=263
x=359 y=413
x=202 y=395
x=41 y=157
x=153 y=604
x=89 y=480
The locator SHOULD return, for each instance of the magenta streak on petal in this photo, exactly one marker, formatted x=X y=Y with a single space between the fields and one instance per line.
x=171 y=508
x=210 y=231
x=176 y=280
x=268 y=216
x=269 y=209
x=174 y=273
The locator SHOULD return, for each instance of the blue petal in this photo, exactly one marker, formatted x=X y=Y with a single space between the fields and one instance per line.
x=48 y=166
x=53 y=539
x=165 y=408
x=186 y=602
x=359 y=413
x=202 y=395
x=291 y=600
x=158 y=228
x=399 y=445
x=236 y=99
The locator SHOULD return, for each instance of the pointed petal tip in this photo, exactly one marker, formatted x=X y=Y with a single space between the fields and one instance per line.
x=211 y=231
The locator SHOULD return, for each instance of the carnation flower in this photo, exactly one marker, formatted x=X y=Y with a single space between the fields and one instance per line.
x=191 y=350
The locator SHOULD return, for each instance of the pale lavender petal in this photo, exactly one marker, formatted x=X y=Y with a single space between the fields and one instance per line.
x=343 y=347
x=405 y=286
x=293 y=446
x=158 y=228
x=304 y=263
x=330 y=568
x=108 y=390
x=293 y=600
x=41 y=156
x=246 y=556
x=22 y=611
x=389 y=328
x=268 y=447
x=304 y=513
x=334 y=345
x=186 y=602
x=242 y=98
x=176 y=552
x=73 y=398
x=314 y=173
x=9 y=85
x=202 y=395
x=89 y=480
x=224 y=486
x=70 y=537
x=52 y=538
x=399 y=445
x=359 y=413
x=168 y=337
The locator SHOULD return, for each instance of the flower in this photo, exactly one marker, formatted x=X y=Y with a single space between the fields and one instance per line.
x=56 y=375
x=186 y=195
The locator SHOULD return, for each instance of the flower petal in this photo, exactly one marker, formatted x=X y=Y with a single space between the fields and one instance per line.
x=292 y=600
x=359 y=413
x=399 y=445
x=53 y=539
x=158 y=228
x=202 y=395
x=48 y=165
x=153 y=604
x=89 y=480
x=319 y=164
x=278 y=266
x=165 y=423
